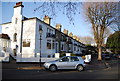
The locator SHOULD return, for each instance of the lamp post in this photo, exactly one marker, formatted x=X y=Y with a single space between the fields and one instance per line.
x=40 y=31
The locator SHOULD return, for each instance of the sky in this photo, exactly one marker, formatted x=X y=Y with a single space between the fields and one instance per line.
x=80 y=27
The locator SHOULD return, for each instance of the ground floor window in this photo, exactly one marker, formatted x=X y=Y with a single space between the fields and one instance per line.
x=14 y=52
x=74 y=48
x=62 y=47
x=70 y=47
x=5 y=43
x=53 y=44
x=26 y=43
x=15 y=37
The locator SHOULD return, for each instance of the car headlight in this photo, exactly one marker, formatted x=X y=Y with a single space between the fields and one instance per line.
x=46 y=65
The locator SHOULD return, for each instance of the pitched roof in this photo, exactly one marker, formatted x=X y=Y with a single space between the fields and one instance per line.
x=4 y=36
x=25 y=18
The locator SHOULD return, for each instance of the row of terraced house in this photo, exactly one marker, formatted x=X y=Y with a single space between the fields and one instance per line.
x=25 y=44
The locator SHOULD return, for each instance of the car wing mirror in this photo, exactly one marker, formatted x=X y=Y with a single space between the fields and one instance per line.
x=60 y=60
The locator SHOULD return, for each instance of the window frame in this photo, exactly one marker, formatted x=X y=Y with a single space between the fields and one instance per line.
x=15 y=37
x=49 y=41
x=26 y=45
x=16 y=20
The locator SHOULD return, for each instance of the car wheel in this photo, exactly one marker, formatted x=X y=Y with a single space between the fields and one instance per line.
x=80 y=68
x=53 y=68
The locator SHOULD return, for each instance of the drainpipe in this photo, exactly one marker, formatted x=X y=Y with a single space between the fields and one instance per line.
x=21 y=39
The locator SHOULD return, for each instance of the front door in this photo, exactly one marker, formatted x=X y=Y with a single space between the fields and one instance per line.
x=14 y=52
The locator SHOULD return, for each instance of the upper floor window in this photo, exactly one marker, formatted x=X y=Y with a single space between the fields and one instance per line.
x=78 y=49
x=47 y=30
x=74 y=48
x=15 y=37
x=6 y=27
x=40 y=26
x=70 y=46
x=16 y=20
x=52 y=31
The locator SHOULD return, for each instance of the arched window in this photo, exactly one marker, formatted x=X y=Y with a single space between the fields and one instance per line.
x=15 y=37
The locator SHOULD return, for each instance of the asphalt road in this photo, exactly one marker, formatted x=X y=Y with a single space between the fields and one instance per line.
x=110 y=73
x=94 y=70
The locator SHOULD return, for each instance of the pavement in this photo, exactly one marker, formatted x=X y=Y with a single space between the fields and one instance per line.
x=93 y=65
x=97 y=65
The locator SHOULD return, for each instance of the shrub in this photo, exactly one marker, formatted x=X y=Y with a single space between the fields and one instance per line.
x=73 y=54
x=48 y=56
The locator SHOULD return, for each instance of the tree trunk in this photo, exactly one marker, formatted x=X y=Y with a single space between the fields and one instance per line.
x=99 y=53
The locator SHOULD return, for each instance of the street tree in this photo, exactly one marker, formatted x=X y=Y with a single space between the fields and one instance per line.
x=53 y=7
x=113 y=42
x=101 y=15
x=116 y=25
x=87 y=40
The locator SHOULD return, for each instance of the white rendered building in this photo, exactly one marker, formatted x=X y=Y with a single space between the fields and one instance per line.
x=25 y=37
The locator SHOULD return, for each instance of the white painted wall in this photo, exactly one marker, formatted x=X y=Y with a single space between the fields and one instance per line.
x=29 y=33
x=44 y=51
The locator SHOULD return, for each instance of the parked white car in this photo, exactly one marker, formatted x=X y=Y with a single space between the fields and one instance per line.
x=87 y=58
x=66 y=62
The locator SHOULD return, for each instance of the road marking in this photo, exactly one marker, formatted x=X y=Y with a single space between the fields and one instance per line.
x=90 y=70
x=107 y=68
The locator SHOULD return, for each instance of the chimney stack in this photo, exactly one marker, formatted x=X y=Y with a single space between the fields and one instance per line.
x=58 y=27
x=79 y=39
x=74 y=37
x=65 y=31
x=18 y=4
x=71 y=35
x=47 y=19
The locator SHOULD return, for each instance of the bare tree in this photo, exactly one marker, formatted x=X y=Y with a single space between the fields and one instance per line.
x=106 y=34
x=101 y=15
x=52 y=7
x=116 y=25
x=87 y=40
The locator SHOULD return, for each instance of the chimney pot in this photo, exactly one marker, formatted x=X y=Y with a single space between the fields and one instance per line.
x=19 y=3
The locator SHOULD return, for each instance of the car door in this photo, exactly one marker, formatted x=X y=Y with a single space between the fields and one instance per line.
x=73 y=62
x=63 y=63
